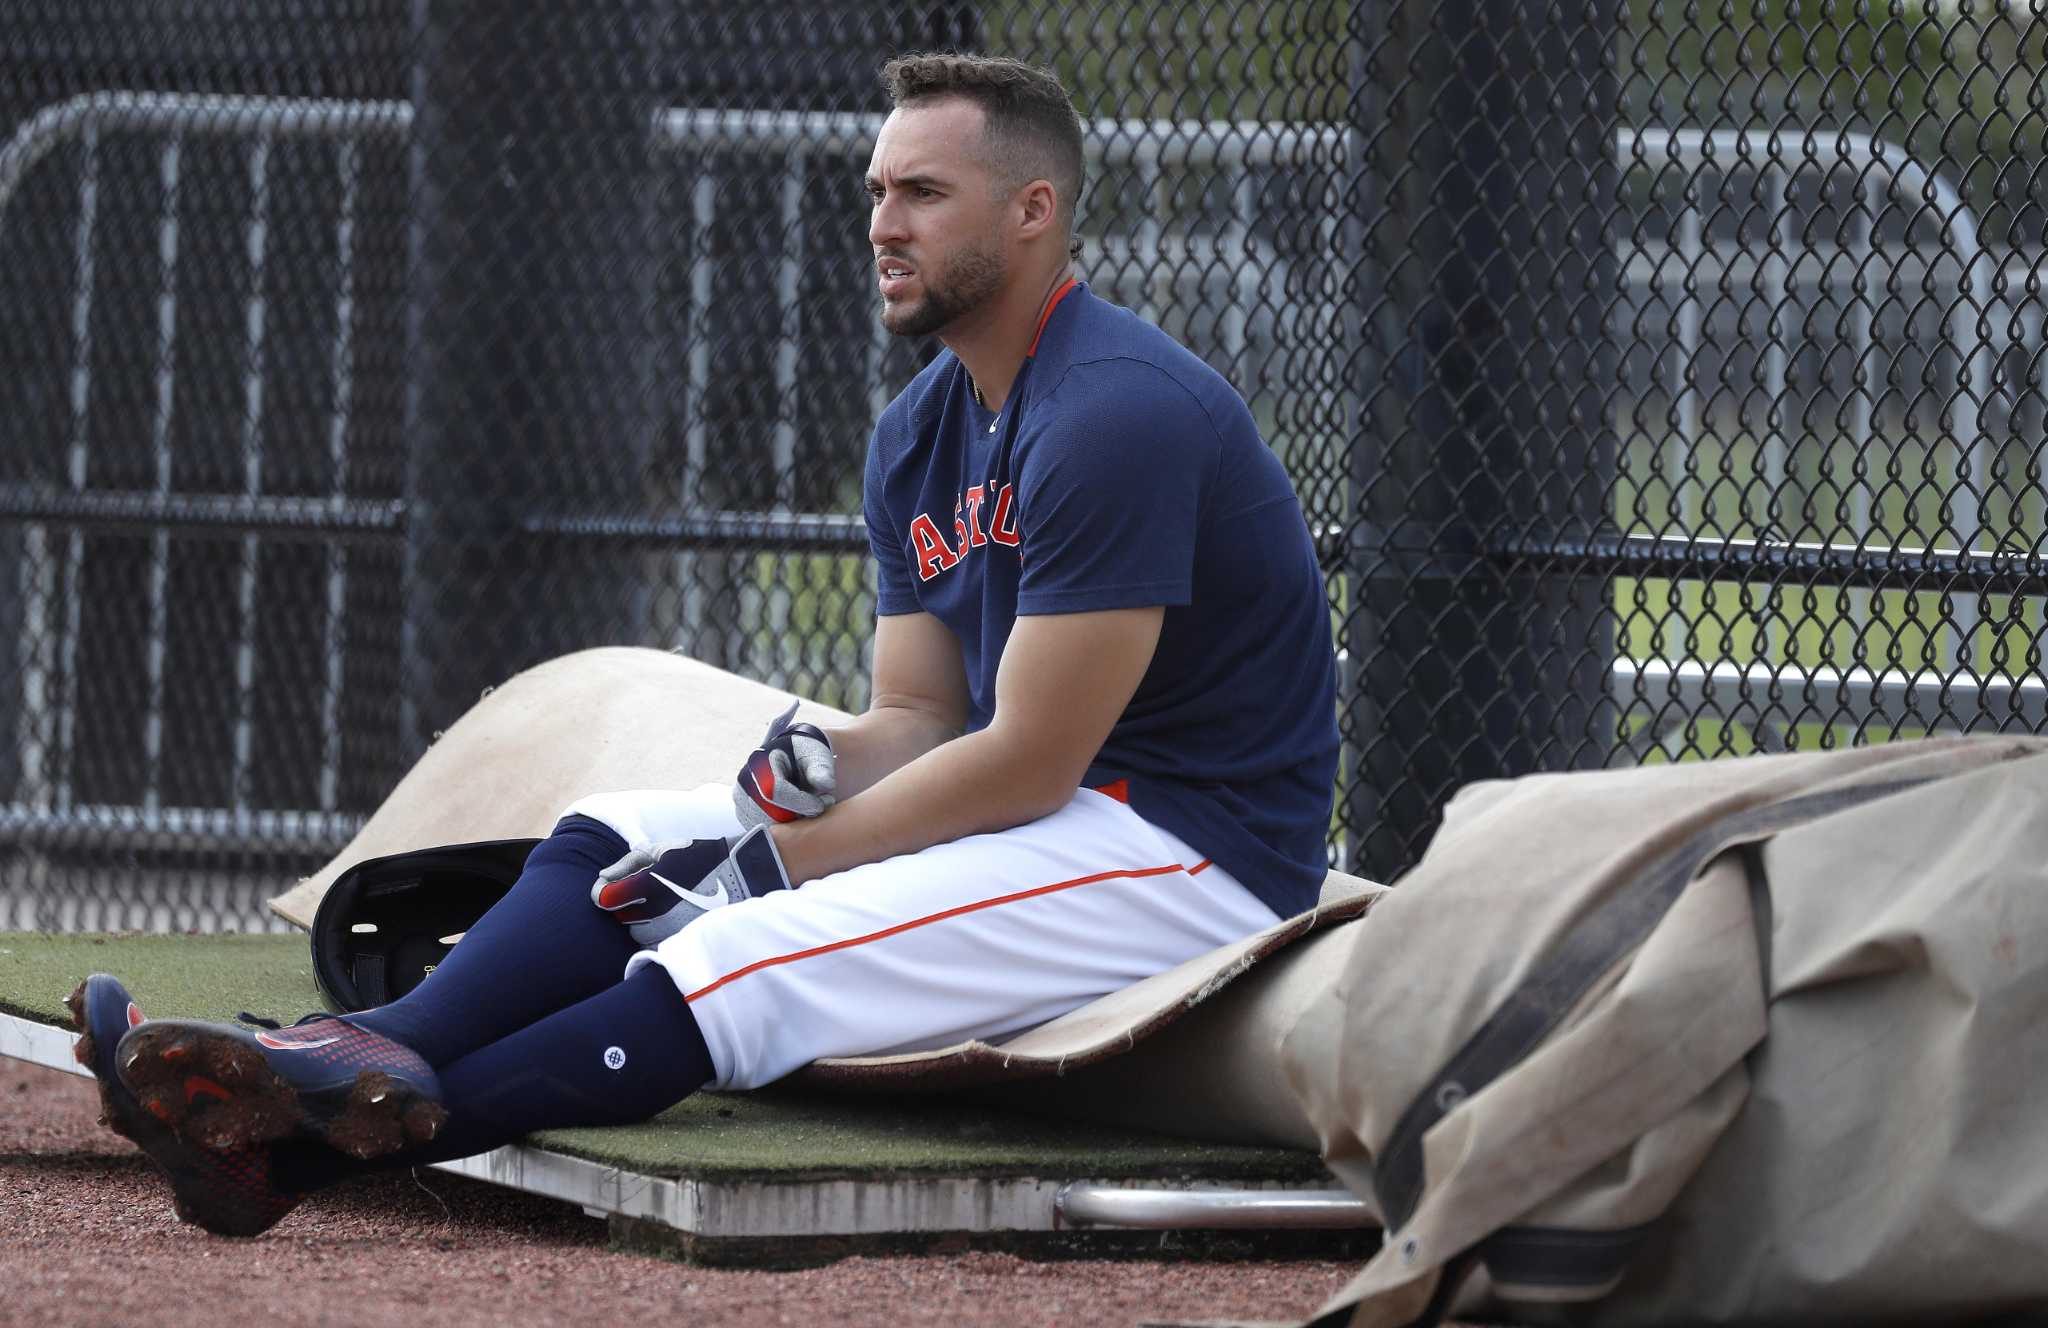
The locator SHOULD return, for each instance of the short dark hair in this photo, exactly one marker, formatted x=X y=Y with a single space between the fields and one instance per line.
x=1029 y=124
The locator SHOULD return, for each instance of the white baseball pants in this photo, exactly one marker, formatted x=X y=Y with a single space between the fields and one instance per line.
x=981 y=938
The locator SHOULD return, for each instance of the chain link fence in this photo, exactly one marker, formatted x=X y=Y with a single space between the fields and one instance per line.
x=1659 y=382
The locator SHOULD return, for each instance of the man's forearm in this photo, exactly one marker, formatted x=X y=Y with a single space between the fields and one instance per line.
x=874 y=745
x=972 y=785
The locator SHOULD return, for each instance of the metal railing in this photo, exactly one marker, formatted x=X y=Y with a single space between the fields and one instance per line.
x=1775 y=272
x=55 y=519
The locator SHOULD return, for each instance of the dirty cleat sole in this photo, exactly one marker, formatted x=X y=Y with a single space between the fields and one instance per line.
x=223 y=1088
x=225 y=1191
x=102 y=1012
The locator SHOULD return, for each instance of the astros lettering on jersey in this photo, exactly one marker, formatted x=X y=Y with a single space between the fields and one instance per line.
x=935 y=556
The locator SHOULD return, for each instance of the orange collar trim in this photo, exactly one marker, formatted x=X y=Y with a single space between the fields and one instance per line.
x=1046 y=317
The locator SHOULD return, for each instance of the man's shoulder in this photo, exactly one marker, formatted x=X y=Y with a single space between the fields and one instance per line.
x=1111 y=342
x=1108 y=359
x=1102 y=333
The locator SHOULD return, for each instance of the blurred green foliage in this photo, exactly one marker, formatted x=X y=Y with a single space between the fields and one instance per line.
x=1280 y=60
x=1955 y=83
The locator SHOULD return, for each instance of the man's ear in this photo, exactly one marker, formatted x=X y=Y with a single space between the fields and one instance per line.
x=1038 y=209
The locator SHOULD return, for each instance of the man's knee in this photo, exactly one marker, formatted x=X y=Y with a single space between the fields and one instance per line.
x=580 y=841
x=645 y=818
x=612 y=812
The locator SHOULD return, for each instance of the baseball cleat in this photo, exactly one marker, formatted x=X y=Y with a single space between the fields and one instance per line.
x=222 y=1087
x=102 y=1011
x=225 y=1191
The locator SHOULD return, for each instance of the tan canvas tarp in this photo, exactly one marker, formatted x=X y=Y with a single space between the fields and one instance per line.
x=1751 y=1041
x=616 y=718
x=1755 y=1041
x=631 y=718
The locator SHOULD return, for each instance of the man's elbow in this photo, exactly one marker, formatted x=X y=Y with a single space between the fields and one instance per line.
x=1039 y=781
x=932 y=721
x=1044 y=797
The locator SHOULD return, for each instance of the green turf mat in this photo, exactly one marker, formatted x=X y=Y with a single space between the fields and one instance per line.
x=788 y=1135
x=192 y=977
x=781 y=1135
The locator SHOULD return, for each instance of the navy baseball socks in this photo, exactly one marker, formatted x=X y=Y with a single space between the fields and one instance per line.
x=365 y=1083
x=540 y=949
x=245 y=1120
x=615 y=1058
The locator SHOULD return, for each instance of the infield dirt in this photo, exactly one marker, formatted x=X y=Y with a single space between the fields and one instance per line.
x=91 y=1240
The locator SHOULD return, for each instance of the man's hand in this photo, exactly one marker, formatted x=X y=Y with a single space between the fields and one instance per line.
x=1063 y=681
x=655 y=893
x=793 y=774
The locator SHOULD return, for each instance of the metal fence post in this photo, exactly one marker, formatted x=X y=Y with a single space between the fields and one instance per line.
x=775 y=301
x=1484 y=157
x=534 y=196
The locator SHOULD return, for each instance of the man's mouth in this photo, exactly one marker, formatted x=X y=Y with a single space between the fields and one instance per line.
x=893 y=276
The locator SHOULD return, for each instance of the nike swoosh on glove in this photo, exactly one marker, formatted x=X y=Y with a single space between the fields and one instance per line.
x=791 y=775
x=655 y=894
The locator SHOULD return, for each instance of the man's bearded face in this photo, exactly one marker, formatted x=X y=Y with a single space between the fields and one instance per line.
x=969 y=277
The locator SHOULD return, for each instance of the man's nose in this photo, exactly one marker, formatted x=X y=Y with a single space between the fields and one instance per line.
x=885 y=223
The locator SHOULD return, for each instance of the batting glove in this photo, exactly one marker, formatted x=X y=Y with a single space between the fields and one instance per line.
x=655 y=893
x=791 y=775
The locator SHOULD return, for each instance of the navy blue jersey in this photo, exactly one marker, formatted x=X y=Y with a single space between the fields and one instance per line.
x=1123 y=472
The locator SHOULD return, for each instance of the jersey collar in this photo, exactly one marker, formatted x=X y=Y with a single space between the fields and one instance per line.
x=1046 y=317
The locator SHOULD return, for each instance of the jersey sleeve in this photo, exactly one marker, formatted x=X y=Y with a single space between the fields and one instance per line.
x=1110 y=492
x=894 y=589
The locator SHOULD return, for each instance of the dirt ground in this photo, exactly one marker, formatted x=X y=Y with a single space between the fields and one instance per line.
x=89 y=1239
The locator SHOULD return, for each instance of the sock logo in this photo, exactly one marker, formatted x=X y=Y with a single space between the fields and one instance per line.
x=615 y=1058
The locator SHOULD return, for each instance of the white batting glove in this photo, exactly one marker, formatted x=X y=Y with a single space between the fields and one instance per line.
x=791 y=775
x=655 y=893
